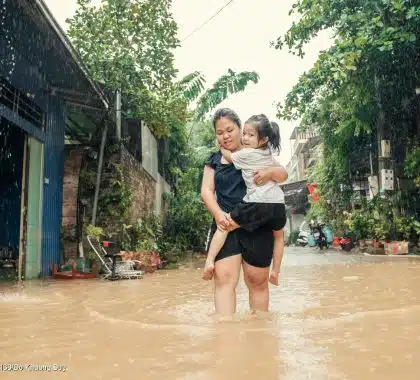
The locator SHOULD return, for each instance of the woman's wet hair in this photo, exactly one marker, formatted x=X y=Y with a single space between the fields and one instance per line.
x=228 y=114
x=268 y=129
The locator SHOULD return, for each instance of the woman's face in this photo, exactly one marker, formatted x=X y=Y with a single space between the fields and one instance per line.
x=228 y=134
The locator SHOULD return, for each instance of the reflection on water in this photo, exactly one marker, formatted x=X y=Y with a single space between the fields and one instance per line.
x=333 y=317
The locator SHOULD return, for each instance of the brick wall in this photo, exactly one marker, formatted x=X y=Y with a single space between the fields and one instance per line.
x=141 y=185
x=72 y=163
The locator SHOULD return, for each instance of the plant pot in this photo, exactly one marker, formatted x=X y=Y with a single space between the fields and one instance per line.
x=396 y=248
x=369 y=242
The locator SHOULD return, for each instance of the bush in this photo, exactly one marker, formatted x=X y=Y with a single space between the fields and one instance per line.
x=294 y=236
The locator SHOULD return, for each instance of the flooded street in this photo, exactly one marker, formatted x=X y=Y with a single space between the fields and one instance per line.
x=334 y=316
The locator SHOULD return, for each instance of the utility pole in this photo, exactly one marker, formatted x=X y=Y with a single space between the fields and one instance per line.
x=98 y=174
x=380 y=133
x=118 y=114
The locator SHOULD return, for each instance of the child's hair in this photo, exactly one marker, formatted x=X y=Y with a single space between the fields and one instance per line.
x=266 y=129
x=276 y=133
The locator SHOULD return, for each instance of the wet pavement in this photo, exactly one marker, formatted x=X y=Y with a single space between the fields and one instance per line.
x=334 y=316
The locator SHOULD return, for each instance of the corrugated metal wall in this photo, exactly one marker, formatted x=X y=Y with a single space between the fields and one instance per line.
x=25 y=62
x=53 y=139
x=53 y=188
x=34 y=61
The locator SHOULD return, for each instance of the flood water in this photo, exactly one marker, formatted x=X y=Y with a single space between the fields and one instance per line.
x=334 y=316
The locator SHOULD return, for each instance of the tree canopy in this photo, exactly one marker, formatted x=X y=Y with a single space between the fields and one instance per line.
x=128 y=45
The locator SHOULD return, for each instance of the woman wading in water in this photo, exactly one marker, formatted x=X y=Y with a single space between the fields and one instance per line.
x=253 y=251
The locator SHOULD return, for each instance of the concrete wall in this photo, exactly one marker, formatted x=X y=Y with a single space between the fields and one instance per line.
x=141 y=184
x=162 y=187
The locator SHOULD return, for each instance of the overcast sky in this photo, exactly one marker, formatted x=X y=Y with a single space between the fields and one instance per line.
x=238 y=38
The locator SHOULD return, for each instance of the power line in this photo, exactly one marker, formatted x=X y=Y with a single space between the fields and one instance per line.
x=206 y=22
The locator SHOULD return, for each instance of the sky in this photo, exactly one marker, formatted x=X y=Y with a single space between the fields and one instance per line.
x=238 y=38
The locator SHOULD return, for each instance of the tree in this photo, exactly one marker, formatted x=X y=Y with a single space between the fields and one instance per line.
x=362 y=88
x=227 y=84
x=128 y=45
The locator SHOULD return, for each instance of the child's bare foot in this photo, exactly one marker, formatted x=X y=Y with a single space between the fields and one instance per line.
x=208 y=271
x=274 y=278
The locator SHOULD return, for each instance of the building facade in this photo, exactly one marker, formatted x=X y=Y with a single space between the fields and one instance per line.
x=40 y=76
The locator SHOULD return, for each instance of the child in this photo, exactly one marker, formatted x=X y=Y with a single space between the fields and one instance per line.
x=262 y=206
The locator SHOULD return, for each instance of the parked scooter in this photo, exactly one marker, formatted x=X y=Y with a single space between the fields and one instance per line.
x=320 y=237
x=302 y=239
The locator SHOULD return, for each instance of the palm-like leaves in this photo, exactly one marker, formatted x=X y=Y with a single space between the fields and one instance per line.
x=227 y=84
x=192 y=85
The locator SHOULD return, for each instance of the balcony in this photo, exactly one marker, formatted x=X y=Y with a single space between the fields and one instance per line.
x=302 y=139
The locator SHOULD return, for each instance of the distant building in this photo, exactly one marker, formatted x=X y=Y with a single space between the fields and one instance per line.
x=306 y=149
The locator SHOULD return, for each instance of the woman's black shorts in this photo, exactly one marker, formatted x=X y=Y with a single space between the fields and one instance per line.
x=256 y=247
x=251 y=216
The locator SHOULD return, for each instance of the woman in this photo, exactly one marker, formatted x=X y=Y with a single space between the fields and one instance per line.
x=253 y=251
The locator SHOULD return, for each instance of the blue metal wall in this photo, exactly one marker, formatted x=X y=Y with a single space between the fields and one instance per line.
x=53 y=139
x=25 y=62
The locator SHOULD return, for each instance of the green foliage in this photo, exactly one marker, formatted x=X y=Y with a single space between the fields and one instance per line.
x=192 y=85
x=412 y=165
x=366 y=78
x=317 y=212
x=227 y=84
x=187 y=220
x=375 y=219
x=115 y=198
x=294 y=236
x=361 y=222
x=151 y=234
x=143 y=236
x=94 y=231
x=369 y=67
x=187 y=215
x=128 y=45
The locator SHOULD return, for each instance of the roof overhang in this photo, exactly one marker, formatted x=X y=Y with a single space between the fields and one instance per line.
x=67 y=76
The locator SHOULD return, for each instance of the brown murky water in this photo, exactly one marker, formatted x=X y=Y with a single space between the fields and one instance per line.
x=334 y=316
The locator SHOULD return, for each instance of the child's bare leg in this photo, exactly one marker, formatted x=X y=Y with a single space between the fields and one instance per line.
x=277 y=256
x=216 y=245
x=217 y=242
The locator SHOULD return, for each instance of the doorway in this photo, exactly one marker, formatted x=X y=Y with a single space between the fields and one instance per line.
x=21 y=190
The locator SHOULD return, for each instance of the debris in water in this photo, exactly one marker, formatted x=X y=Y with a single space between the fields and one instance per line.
x=351 y=278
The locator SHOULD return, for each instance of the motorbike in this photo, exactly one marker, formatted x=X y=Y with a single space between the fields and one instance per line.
x=321 y=240
x=302 y=239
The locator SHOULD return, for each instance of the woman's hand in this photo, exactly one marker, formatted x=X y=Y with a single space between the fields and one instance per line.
x=222 y=220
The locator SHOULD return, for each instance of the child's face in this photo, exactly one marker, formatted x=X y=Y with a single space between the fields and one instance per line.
x=250 y=138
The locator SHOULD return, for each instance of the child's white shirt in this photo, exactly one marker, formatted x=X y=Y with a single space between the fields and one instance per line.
x=249 y=159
